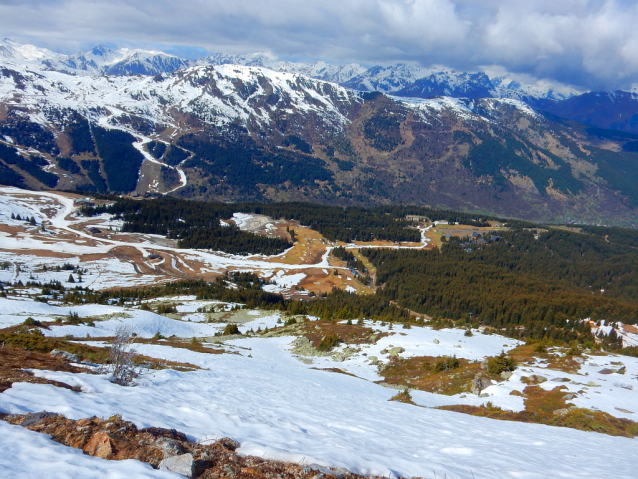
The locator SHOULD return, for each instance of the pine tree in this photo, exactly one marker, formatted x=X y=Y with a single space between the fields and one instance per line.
x=71 y=279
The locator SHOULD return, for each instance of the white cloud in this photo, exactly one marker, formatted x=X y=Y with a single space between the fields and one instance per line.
x=591 y=42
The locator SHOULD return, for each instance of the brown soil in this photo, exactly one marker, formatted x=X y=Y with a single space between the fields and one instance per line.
x=314 y=331
x=14 y=360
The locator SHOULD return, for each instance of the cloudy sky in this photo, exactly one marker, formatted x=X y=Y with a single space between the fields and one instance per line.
x=588 y=43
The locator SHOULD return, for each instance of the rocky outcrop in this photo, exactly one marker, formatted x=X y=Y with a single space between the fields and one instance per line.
x=166 y=449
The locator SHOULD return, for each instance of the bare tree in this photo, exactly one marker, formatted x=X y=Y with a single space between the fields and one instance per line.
x=122 y=357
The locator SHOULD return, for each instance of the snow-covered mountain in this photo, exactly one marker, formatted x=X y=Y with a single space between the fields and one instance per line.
x=100 y=60
x=400 y=79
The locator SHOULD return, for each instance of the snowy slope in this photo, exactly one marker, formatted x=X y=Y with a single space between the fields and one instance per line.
x=97 y=61
x=409 y=80
x=214 y=94
x=277 y=407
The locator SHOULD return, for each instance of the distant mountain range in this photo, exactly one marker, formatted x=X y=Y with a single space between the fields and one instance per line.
x=233 y=128
x=400 y=79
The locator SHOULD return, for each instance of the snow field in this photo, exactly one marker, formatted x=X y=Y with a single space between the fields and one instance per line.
x=279 y=408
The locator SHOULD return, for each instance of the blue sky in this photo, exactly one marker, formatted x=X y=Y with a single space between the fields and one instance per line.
x=589 y=43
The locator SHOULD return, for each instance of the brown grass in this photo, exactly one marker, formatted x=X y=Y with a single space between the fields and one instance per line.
x=418 y=373
x=540 y=406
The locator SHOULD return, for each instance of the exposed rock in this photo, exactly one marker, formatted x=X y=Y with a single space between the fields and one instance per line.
x=99 y=446
x=561 y=380
x=183 y=464
x=436 y=341
x=170 y=447
x=323 y=471
x=606 y=371
x=479 y=383
x=229 y=443
x=396 y=351
x=65 y=355
x=537 y=379
x=626 y=411
x=563 y=411
x=507 y=374
x=569 y=396
x=116 y=439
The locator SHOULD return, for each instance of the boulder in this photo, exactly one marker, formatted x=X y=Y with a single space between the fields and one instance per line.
x=183 y=464
x=479 y=383
x=537 y=379
x=396 y=351
x=65 y=355
x=170 y=447
x=436 y=341
x=507 y=374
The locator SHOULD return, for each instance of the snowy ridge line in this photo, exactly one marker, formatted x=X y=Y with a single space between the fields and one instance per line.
x=124 y=61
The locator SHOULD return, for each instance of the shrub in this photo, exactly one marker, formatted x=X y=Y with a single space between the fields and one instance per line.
x=230 y=329
x=403 y=396
x=468 y=333
x=328 y=342
x=447 y=363
x=158 y=336
x=32 y=322
x=122 y=357
x=501 y=363
x=73 y=318
x=166 y=309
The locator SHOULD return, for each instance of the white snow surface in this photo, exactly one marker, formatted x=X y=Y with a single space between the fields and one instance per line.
x=278 y=407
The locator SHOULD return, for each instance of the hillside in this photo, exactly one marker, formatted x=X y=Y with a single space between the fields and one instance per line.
x=248 y=133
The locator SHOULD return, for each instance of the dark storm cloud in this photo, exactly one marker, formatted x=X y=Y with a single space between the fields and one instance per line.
x=592 y=43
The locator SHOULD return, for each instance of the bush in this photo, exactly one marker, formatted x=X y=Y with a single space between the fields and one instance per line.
x=231 y=329
x=500 y=363
x=328 y=342
x=166 y=309
x=32 y=322
x=73 y=318
x=403 y=396
x=447 y=363
x=468 y=333
x=122 y=357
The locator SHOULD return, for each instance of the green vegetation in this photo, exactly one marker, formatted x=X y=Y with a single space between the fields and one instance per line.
x=533 y=288
x=245 y=166
x=328 y=342
x=501 y=363
x=92 y=168
x=383 y=132
x=120 y=159
x=67 y=164
x=493 y=155
x=79 y=132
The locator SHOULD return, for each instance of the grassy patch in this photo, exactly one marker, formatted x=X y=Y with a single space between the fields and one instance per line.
x=421 y=373
x=550 y=408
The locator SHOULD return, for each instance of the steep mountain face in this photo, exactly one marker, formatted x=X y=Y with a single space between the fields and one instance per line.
x=617 y=110
x=231 y=132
